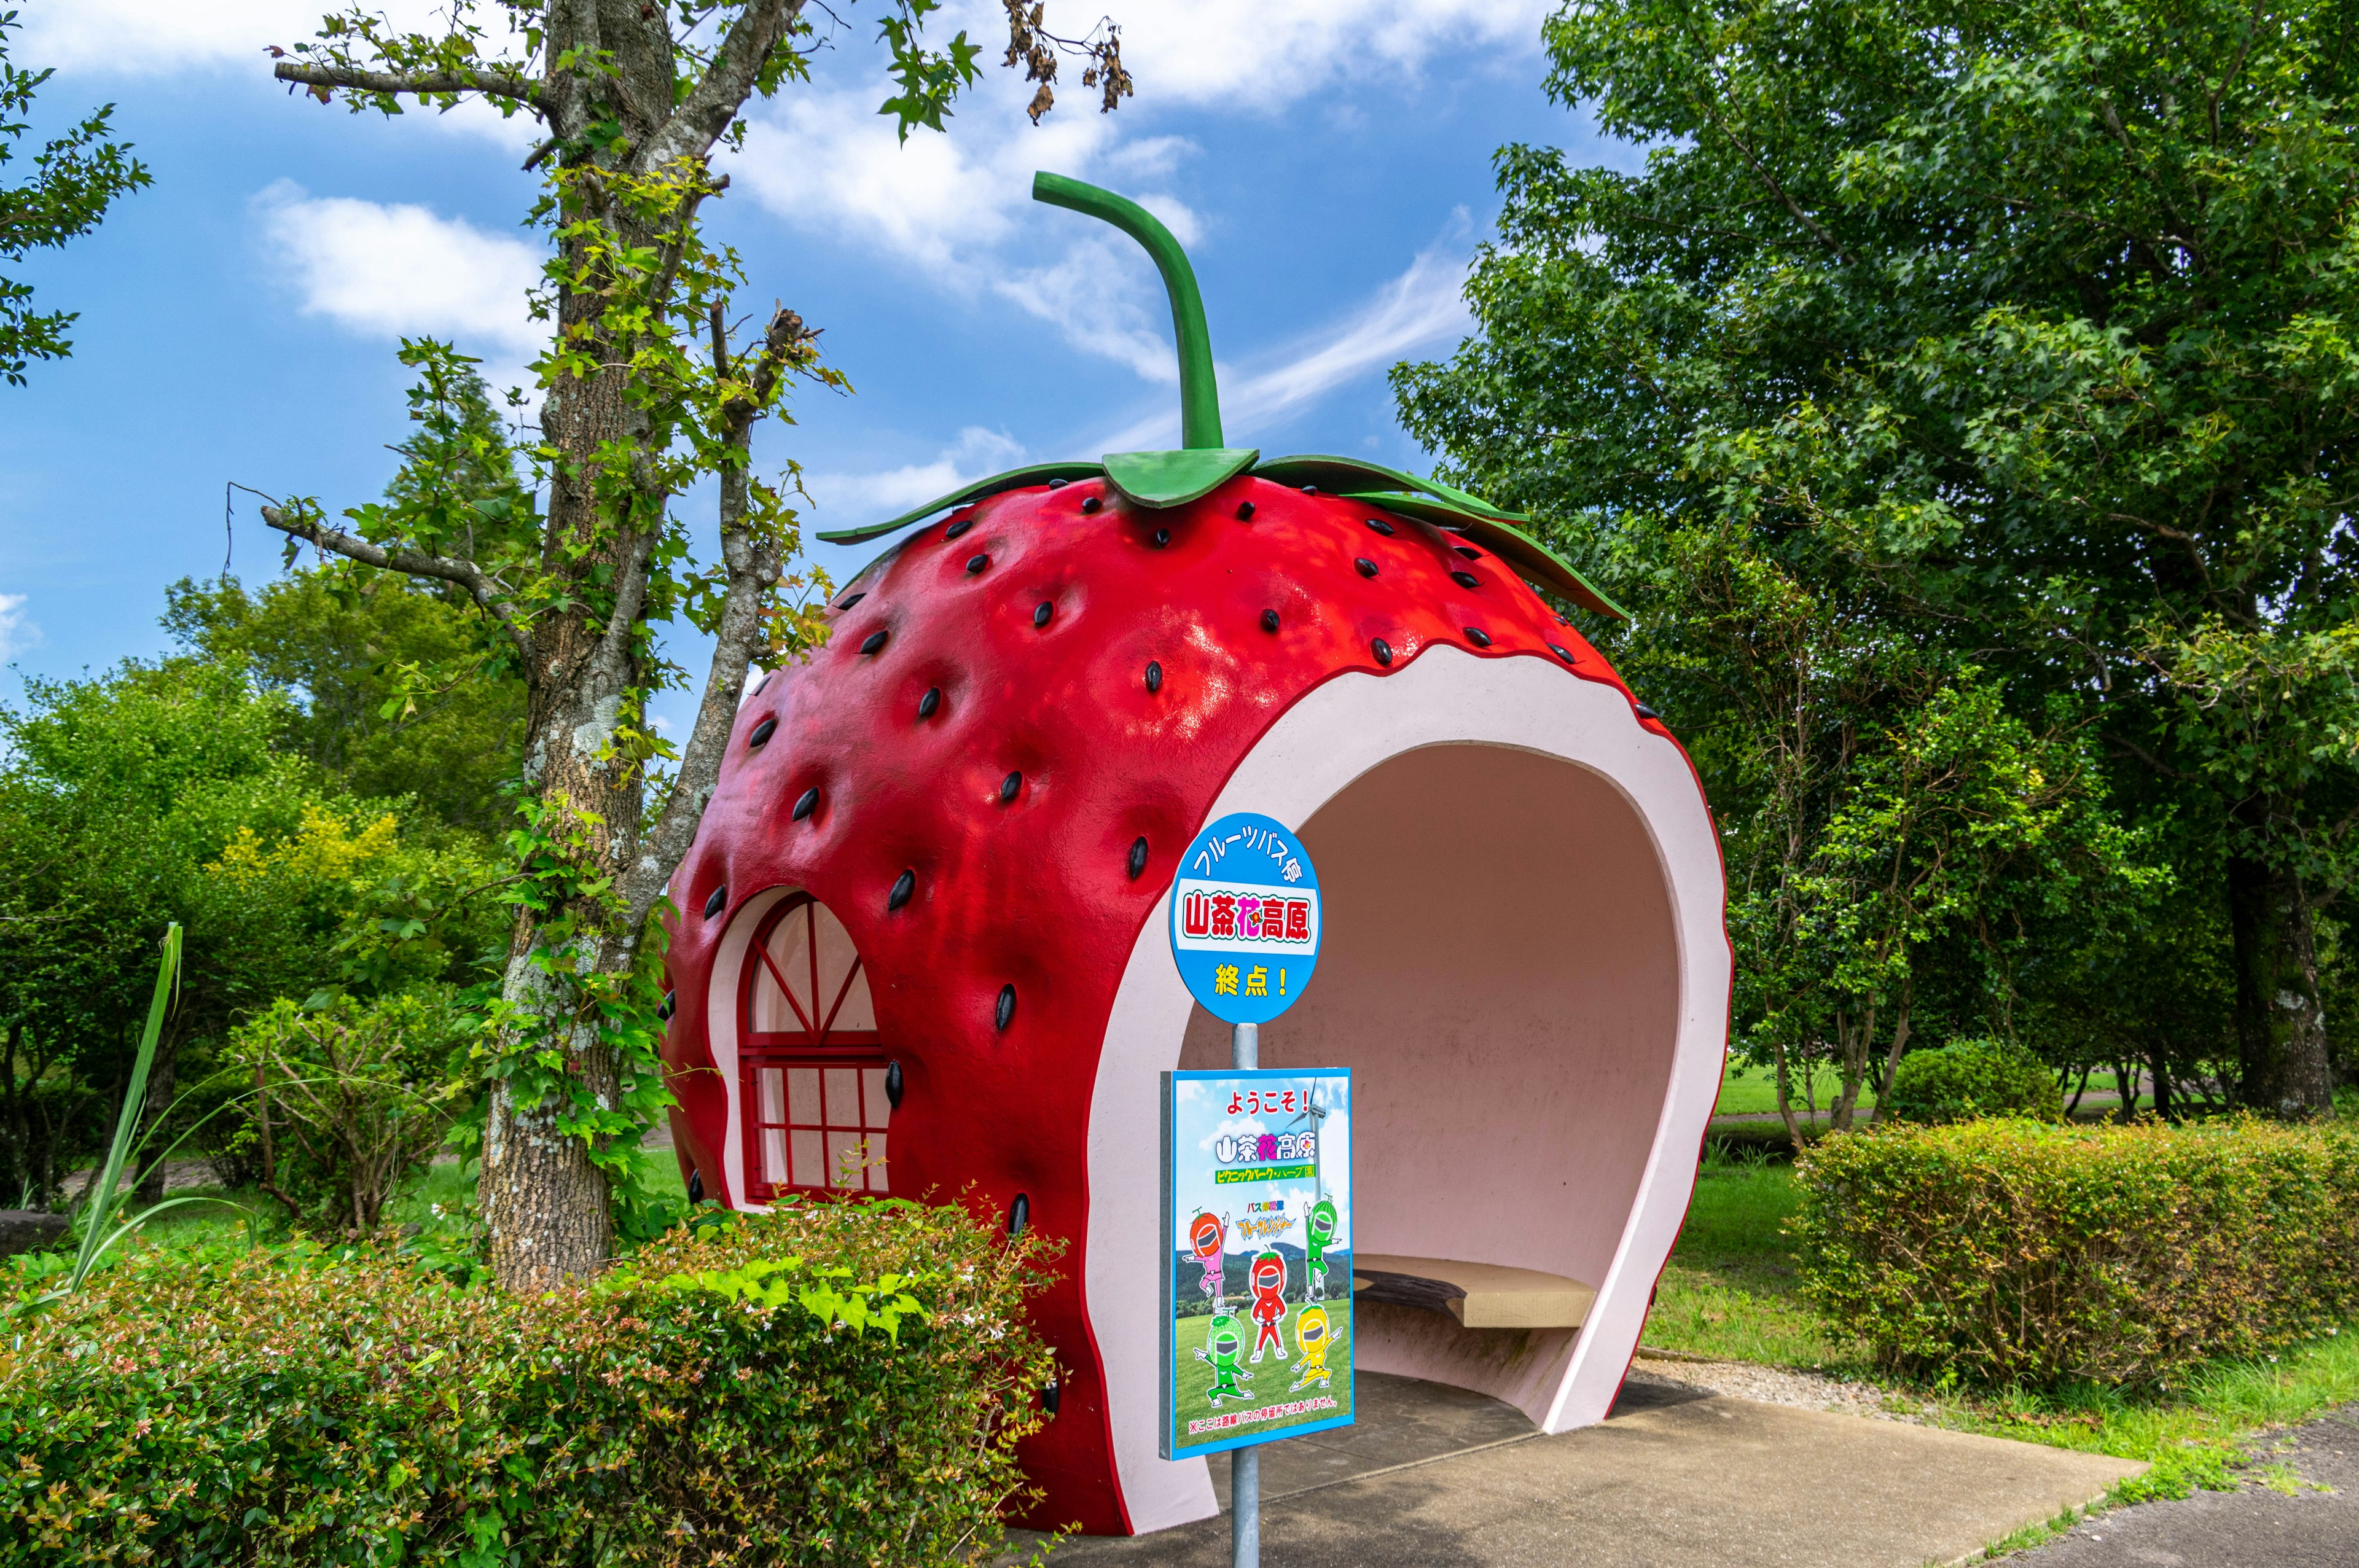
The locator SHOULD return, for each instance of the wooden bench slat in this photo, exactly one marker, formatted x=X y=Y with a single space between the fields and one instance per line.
x=1479 y=1295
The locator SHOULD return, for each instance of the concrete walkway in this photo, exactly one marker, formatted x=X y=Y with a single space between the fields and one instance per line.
x=2292 y=1524
x=1436 y=1477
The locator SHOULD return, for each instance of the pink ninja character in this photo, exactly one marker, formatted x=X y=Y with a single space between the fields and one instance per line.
x=1209 y=1239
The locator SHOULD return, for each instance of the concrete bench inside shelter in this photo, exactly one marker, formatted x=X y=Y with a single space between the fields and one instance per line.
x=1479 y=1295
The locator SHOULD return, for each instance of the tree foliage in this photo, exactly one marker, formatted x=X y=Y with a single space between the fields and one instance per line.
x=75 y=178
x=1956 y=333
x=650 y=385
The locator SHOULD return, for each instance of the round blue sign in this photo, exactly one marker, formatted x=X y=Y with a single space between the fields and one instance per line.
x=1244 y=918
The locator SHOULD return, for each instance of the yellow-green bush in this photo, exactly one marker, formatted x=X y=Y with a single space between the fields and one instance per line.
x=2006 y=1250
x=831 y=1383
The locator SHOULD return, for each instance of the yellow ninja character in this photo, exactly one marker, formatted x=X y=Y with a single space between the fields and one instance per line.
x=1311 y=1338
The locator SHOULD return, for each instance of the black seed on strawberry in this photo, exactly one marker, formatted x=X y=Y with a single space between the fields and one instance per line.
x=1008 y=786
x=893 y=1085
x=1476 y=635
x=873 y=641
x=1244 y=511
x=1310 y=490
x=663 y=1014
x=1382 y=649
x=807 y=803
x=1269 y=620
x=1560 y=653
x=1019 y=1214
x=976 y=563
x=930 y=702
x=1138 y=856
x=762 y=732
x=852 y=599
x=1162 y=538
x=1646 y=712
x=955 y=529
x=712 y=906
x=1381 y=526
x=1041 y=613
x=1466 y=579
x=1154 y=675
x=1090 y=504
x=903 y=886
x=1050 y=1397
x=1059 y=483
x=1469 y=551
x=1366 y=568
x=1004 y=1014
x=762 y=682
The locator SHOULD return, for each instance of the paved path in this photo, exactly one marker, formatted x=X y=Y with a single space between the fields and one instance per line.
x=1437 y=1477
x=2256 y=1528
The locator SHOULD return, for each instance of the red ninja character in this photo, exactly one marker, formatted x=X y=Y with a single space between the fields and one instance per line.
x=1208 y=1237
x=1269 y=1280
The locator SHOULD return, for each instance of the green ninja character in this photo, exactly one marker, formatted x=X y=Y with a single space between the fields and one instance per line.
x=1224 y=1340
x=1319 y=1236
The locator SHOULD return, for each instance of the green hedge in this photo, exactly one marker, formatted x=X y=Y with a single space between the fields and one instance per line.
x=1970 y=1078
x=833 y=1383
x=2004 y=1250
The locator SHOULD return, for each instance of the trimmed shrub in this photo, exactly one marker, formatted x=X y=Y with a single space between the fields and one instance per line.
x=2007 y=1250
x=1970 y=1078
x=831 y=1383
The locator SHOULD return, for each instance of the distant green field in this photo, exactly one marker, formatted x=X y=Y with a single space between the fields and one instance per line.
x=1745 y=1090
x=1272 y=1379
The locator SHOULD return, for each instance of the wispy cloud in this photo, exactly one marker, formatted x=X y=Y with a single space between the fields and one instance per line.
x=16 y=633
x=848 y=500
x=387 y=270
x=1421 y=306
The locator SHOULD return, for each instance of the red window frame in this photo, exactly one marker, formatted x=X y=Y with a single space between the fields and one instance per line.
x=828 y=1094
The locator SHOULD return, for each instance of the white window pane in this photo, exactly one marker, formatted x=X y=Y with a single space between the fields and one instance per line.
x=836 y=956
x=774 y=1156
x=774 y=1094
x=844 y=1096
x=842 y=1149
x=802 y=1097
x=811 y=1160
x=790 y=951
x=876 y=1163
x=872 y=1095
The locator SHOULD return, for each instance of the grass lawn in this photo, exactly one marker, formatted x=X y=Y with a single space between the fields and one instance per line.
x=1753 y=1090
x=1731 y=1292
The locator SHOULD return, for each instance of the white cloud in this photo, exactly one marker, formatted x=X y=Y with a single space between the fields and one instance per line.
x=387 y=270
x=1252 y=55
x=1422 y=305
x=16 y=634
x=865 y=497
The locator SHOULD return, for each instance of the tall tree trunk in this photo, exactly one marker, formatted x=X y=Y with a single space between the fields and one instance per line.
x=2158 y=1064
x=2281 y=1021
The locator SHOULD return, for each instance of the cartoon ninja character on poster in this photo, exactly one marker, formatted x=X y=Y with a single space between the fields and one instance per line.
x=1223 y=1340
x=1268 y=1282
x=1209 y=1238
x=1318 y=1235
x=1311 y=1337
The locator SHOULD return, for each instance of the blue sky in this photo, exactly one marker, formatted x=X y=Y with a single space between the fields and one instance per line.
x=1326 y=161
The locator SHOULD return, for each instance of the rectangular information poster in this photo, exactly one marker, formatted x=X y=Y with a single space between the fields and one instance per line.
x=1256 y=1256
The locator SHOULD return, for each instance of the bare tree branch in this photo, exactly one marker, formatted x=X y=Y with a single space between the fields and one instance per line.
x=728 y=81
x=479 y=585
x=495 y=83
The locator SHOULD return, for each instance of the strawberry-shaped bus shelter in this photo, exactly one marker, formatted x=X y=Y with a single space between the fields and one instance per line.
x=923 y=924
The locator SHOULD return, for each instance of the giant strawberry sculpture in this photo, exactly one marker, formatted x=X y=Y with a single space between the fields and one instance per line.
x=922 y=923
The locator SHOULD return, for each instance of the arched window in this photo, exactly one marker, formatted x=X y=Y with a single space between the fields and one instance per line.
x=813 y=1066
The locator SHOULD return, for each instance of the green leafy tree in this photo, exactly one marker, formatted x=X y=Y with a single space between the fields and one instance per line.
x=75 y=178
x=647 y=388
x=395 y=693
x=156 y=794
x=2020 y=334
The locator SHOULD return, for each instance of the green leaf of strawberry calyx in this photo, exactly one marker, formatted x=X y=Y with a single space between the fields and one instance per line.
x=1175 y=479
x=1014 y=478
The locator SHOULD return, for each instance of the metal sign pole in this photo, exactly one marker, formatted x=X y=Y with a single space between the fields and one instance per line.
x=1245 y=1464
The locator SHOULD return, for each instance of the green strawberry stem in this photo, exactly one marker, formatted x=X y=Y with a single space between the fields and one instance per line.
x=1200 y=395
